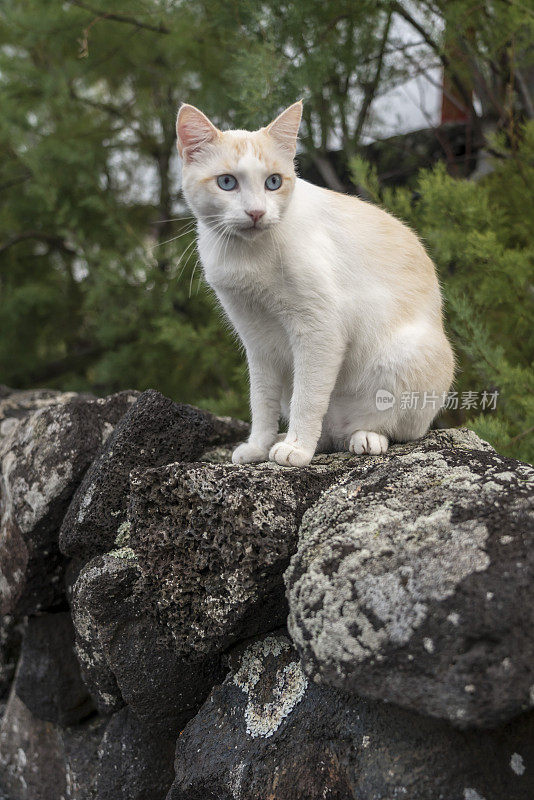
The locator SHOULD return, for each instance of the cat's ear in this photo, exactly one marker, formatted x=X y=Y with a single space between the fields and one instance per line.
x=284 y=129
x=193 y=132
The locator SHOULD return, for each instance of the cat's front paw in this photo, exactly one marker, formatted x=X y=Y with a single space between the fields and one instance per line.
x=290 y=455
x=250 y=453
x=368 y=442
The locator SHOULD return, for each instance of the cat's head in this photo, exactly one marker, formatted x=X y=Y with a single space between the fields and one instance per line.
x=238 y=181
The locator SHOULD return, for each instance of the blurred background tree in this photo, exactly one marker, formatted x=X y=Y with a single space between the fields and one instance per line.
x=99 y=283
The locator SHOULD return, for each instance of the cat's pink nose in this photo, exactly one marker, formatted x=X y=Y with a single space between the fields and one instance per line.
x=256 y=215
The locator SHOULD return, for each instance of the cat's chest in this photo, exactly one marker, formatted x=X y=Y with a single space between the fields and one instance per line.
x=258 y=275
x=258 y=296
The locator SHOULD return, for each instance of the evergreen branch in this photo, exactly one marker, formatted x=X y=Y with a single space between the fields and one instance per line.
x=428 y=77
x=524 y=92
x=522 y=434
x=123 y=18
x=107 y=107
x=73 y=361
x=327 y=172
x=522 y=6
x=15 y=181
x=445 y=60
x=56 y=241
x=371 y=88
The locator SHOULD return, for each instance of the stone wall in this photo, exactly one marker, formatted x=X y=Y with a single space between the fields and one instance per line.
x=146 y=583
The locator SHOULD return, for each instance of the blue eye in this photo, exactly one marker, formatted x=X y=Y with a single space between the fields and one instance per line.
x=226 y=182
x=273 y=182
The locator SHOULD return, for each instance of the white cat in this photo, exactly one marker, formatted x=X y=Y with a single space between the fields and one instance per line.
x=334 y=299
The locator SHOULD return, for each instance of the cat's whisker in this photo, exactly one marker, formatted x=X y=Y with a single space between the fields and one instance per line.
x=189 y=229
x=184 y=217
x=191 y=279
x=182 y=256
x=220 y=232
x=187 y=252
x=190 y=246
x=174 y=238
x=191 y=253
x=173 y=219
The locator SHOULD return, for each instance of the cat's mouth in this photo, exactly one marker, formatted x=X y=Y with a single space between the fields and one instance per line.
x=250 y=231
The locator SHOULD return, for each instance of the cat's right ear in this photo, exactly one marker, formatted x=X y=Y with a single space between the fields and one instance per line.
x=193 y=132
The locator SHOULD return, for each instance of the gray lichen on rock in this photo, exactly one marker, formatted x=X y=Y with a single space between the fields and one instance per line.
x=380 y=552
x=42 y=461
x=90 y=647
x=266 y=710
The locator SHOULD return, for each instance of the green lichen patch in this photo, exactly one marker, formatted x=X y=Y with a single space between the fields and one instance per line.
x=123 y=534
x=125 y=553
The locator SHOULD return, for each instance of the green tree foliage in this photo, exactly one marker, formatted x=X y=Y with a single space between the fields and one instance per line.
x=481 y=237
x=93 y=293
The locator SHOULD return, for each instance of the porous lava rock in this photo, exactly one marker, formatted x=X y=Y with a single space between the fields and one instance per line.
x=267 y=732
x=212 y=541
x=42 y=461
x=155 y=431
x=414 y=583
x=48 y=680
x=125 y=654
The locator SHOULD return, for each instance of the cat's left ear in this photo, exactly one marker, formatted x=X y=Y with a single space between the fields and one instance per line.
x=284 y=129
x=193 y=131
